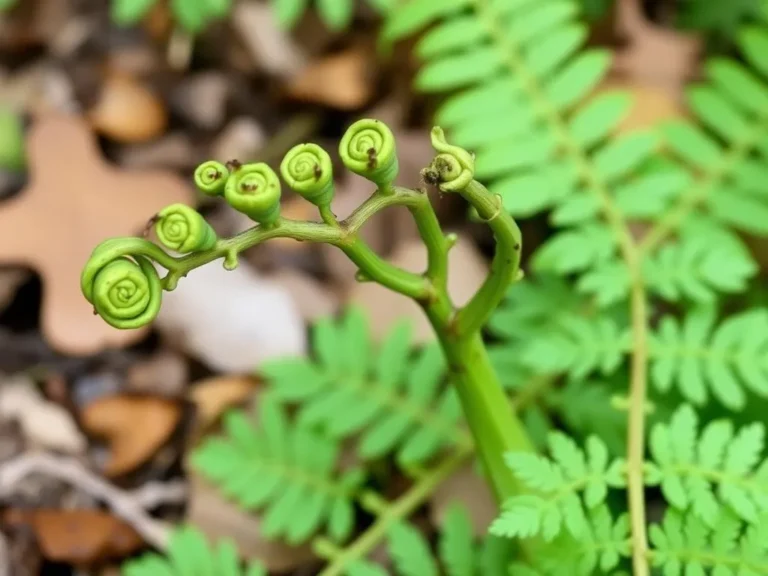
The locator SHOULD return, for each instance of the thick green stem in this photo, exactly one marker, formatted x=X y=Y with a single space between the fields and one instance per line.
x=495 y=427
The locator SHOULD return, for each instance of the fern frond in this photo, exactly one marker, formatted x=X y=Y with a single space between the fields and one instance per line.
x=705 y=261
x=699 y=357
x=604 y=543
x=458 y=552
x=189 y=554
x=524 y=80
x=286 y=470
x=684 y=544
x=391 y=399
x=578 y=346
x=727 y=150
x=710 y=472
x=562 y=486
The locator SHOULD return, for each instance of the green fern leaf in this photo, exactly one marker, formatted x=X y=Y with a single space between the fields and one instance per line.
x=729 y=151
x=128 y=12
x=410 y=552
x=697 y=356
x=393 y=401
x=286 y=470
x=711 y=472
x=684 y=544
x=604 y=543
x=337 y=14
x=578 y=346
x=558 y=484
x=457 y=543
x=706 y=260
x=188 y=555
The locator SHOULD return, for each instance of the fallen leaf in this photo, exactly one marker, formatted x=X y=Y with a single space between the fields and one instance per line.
x=215 y=395
x=42 y=423
x=466 y=271
x=655 y=56
x=313 y=299
x=135 y=427
x=342 y=81
x=219 y=519
x=126 y=111
x=78 y=537
x=75 y=200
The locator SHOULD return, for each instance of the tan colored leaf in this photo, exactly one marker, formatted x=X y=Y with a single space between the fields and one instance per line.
x=135 y=428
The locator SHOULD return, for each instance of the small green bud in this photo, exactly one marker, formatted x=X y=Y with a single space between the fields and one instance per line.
x=368 y=149
x=183 y=229
x=307 y=168
x=211 y=178
x=254 y=190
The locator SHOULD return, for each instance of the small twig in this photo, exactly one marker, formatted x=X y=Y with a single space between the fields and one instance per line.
x=130 y=506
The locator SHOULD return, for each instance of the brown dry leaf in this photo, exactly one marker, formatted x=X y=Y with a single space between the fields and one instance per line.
x=127 y=111
x=78 y=537
x=135 y=428
x=655 y=56
x=75 y=200
x=342 y=81
x=215 y=395
x=467 y=270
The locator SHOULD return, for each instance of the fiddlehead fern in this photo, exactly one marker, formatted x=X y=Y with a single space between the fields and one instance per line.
x=254 y=190
x=125 y=292
x=452 y=169
x=183 y=229
x=368 y=149
x=211 y=178
x=308 y=170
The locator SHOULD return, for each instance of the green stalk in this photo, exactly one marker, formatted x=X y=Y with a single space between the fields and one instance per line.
x=495 y=427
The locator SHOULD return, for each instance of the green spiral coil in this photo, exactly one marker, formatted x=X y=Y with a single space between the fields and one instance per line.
x=308 y=170
x=125 y=292
x=453 y=168
x=254 y=190
x=183 y=229
x=368 y=149
x=211 y=178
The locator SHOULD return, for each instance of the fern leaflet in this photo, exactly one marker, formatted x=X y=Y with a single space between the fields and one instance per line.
x=697 y=356
x=713 y=471
x=563 y=485
x=393 y=400
x=288 y=471
x=190 y=555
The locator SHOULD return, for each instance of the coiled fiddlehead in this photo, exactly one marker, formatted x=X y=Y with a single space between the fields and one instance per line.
x=308 y=170
x=125 y=291
x=368 y=149
x=254 y=190
x=211 y=178
x=183 y=229
x=452 y=169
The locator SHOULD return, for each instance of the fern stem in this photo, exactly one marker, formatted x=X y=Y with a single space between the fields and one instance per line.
x=636 y=431
x=505 y=264
x=399 y=509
